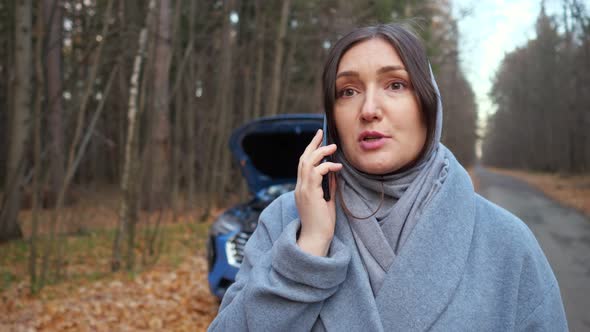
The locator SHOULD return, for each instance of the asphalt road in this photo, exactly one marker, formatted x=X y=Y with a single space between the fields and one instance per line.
x=563 y=233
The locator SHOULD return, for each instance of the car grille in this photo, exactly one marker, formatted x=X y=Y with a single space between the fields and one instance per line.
x=236 y=247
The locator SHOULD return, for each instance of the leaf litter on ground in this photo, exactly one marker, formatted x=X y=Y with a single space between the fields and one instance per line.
x=170 y=293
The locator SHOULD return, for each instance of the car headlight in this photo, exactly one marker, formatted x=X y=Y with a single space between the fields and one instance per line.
x=224 y=224
x=234 y=248
x=271 y=193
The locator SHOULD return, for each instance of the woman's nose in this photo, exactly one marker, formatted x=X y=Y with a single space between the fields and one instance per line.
x=370 y=109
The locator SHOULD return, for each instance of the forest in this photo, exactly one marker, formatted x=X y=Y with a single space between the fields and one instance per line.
x=542 y=95
x=132 y=103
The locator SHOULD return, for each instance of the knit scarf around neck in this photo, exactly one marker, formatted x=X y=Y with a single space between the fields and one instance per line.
x=379 y=238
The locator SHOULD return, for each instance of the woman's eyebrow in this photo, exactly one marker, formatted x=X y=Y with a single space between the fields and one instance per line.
x=381 y=71
x=386 y=69
x=347 y=73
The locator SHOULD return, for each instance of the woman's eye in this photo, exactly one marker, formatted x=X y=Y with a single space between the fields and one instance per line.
x=397 y=85
x=347 y=92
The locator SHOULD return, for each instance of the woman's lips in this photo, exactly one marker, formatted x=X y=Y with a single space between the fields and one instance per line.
x=372 y=140
x=373 y=144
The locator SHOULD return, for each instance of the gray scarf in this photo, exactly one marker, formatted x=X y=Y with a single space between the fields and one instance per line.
x=380 y=237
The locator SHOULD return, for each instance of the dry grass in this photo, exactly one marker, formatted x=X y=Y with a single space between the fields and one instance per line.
x=170 y=294
x=159 y=299
x=98 y=208
x=569 y=190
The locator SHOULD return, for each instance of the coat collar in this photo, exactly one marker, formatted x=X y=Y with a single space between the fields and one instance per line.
x=423 y=277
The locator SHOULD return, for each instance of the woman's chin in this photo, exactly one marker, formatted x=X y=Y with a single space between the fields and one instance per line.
x=377 y=167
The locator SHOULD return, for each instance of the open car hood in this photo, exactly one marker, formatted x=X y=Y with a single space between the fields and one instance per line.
x=268 y=149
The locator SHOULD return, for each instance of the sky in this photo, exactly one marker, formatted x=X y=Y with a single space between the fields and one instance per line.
x=492 y=29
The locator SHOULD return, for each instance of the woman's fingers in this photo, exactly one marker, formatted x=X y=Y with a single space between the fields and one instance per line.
x=315 y=142
x=322 y=152
x=311 y=169
x=328 y=166
x=312 y=146
x=313 y=179
x=313 y=158
x=314 y=153
x=317 y=216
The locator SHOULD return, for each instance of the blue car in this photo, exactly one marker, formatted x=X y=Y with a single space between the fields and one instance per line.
x=267 y=151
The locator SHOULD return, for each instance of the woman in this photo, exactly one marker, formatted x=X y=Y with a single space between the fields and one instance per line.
x=405 y=243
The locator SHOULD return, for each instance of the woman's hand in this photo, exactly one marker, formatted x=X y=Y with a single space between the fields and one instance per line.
x=318 y=217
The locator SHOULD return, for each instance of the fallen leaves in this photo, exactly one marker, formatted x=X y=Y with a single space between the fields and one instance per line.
x=163 y=298
x=172 y=295
x=570 y=190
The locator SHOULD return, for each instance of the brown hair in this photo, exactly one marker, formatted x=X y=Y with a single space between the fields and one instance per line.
x=413 y=55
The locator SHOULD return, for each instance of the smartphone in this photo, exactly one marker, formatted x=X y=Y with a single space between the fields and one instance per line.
x=326 y=178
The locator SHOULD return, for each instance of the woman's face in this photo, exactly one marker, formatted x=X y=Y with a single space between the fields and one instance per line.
x=377 y=114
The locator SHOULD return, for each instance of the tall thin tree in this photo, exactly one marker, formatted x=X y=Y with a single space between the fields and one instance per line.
x=20 y=122
x=127 y=207
x=53 y=19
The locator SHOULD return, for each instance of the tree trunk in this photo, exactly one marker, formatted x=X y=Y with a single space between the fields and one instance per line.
x=74 y=154
x=37 y=153
x=127 y=208
x=177 y=165
x=190 y=114
x=224 y=118
x=19 y=128
x=53 y=18
x=246 y=110
x=160 y=135
x=228 y=107
x=275 y=84
x=122 y=91
x=260 y=29
x=287 y=77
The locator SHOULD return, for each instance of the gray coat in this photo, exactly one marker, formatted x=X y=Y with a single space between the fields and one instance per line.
x=468 y=265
